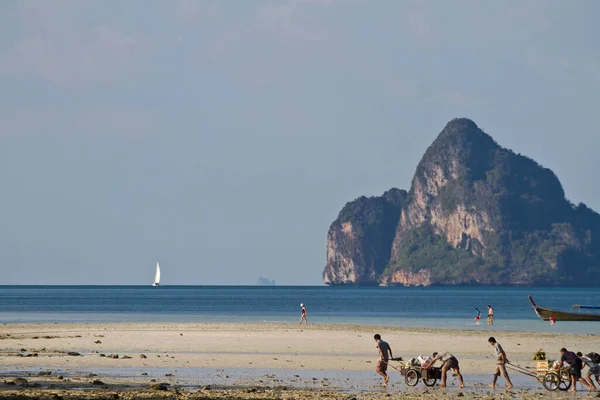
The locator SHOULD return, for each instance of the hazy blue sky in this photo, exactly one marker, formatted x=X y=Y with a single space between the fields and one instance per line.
x=223 y=137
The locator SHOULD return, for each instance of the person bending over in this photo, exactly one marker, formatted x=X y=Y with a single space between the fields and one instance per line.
x=575 y=365
x=448 y=362
x=593 y=369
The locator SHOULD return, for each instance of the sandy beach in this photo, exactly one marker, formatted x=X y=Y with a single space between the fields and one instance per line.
x=276 y=360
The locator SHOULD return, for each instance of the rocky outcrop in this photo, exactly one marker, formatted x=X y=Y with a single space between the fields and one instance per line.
x=405 y=278
x=360 y=239
x=475 y=213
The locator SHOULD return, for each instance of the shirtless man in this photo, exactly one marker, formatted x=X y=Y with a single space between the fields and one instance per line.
x=448 y=362
x=385 y=353
x=490 y=315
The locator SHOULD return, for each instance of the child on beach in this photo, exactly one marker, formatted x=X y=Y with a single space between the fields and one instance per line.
x=478 y=316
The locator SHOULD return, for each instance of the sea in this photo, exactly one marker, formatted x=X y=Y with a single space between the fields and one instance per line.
x=430 y=307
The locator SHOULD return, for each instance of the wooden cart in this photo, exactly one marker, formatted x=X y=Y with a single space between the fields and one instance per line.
x=551 y=379
x=428 y=375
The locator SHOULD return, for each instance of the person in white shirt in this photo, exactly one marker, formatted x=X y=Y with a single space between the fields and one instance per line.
x=593 y=369
x=448 y=362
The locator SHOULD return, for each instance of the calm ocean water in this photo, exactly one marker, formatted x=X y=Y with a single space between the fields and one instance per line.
x=447 y=307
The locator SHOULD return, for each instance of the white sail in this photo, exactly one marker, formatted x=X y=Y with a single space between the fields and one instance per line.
x=157 y=276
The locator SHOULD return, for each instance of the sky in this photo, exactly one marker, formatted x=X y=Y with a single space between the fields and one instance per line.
x=222 y=138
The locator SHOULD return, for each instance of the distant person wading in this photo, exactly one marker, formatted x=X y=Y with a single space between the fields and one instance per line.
x=303 y=314
x=490 y=318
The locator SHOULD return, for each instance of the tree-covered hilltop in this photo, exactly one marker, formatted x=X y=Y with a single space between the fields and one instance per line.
x=475 y=213
x=361 y=238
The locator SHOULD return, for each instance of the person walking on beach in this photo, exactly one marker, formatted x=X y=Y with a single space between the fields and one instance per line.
x=501 y=363
x=303 y=314
x=490 y=315
x=593 y=369
x=385 y=353
x=478 y=316
x=448 y=362
x=576 y=365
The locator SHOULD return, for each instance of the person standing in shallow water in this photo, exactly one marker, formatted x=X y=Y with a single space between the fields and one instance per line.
x=478 y=316
x=490 y=315
x=303 y=314
x=385 y=353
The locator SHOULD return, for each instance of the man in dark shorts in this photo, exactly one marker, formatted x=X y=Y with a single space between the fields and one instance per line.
x=448 y=362
x=576 y=365
x=385 y=353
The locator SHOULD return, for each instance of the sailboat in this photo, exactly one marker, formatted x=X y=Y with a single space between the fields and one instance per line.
x=157 y=276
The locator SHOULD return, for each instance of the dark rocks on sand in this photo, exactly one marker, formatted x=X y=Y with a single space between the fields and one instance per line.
x=44 y=373
x=60 y=377
x=113 y=356
x=102 y=355
x=73 y=353
x=20 y=381
x=160 y=386
x=126 y=357
x=97 y=382
x=169 y=374
x=143 y=356
x=98 y=342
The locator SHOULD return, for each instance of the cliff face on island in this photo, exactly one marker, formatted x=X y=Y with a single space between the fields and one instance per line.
x=475 y=213
x=360 y=240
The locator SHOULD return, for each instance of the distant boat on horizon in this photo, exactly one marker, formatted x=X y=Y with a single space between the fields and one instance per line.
x=157 y=276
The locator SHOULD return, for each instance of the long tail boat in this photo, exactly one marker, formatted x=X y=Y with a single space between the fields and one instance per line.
x=545 y=314
x=587 y=307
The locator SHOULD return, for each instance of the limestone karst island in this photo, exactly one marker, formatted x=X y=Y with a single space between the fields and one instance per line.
x=476 y=213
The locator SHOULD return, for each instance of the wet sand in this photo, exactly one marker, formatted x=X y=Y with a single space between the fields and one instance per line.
x=309 y=361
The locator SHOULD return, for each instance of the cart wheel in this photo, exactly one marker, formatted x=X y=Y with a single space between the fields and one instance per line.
x=551 y=381
x=565 y=380
x=430 y=382
x=412 y=377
